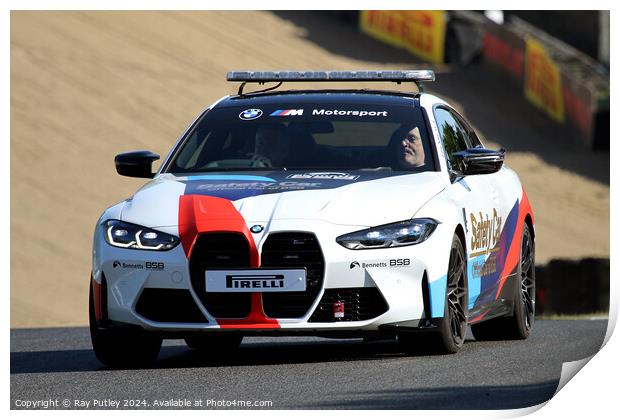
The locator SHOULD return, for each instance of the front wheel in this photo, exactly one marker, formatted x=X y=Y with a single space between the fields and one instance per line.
x=120 y=347
x=450 y=335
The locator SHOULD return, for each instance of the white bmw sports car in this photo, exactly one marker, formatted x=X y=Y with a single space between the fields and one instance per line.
x=337 y=213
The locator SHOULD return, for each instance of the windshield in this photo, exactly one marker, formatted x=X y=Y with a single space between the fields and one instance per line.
x=289 y=137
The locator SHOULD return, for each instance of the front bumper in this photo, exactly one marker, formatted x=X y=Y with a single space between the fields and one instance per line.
x=387 y=287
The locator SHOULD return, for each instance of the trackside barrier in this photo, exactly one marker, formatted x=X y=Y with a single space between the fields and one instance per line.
x=436 y=36
x=421 y=32
x=573 y=287
x=569 y=87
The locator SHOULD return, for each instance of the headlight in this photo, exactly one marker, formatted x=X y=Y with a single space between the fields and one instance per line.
x=127 y=235
x=407 y=232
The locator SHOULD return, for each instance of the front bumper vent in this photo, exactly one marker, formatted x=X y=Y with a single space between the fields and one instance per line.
x=169 y=305
x=360 y=304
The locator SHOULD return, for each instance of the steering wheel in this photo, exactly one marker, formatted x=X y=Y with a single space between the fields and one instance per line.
x=259 y=161
x=253 y=161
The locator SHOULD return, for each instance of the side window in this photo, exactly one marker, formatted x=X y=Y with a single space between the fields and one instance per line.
x=472 y=136
x=196 y=150
x=475 y=141
x=453 y=135
x=189 y=155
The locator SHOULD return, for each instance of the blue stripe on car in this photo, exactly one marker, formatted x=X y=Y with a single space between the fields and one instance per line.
x=437 y=290
x=229 y=178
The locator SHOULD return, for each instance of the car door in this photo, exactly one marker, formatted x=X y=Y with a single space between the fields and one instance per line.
x=475 y=195
x=505 y=193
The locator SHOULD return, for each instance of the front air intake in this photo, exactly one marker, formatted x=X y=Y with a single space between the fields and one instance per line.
x=359 y=304
x=293 y=250
x=169 y=305
x=220 y=250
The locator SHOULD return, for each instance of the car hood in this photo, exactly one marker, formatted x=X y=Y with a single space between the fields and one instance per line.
x=362 y=198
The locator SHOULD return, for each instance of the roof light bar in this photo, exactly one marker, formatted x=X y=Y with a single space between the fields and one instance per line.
x=396 y=76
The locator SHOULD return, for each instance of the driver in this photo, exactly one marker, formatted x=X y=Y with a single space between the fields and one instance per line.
x=272 y=145
x=407 y=147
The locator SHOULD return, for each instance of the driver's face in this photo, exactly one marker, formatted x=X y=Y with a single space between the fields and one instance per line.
x=410 y=150
x=271 y=143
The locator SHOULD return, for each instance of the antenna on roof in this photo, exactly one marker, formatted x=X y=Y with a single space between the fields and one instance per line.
x=395 y=76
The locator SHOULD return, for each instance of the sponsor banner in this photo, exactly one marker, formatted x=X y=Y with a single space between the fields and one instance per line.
x=504 y=50
x=543 y=81
x=571 y=101
x=579 y=107
x=421 y=32
x=556 y=86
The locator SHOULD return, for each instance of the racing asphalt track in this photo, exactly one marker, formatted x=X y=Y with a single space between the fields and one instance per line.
x=309 y=373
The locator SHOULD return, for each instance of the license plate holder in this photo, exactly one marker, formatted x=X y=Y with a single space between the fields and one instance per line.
x=265 y=280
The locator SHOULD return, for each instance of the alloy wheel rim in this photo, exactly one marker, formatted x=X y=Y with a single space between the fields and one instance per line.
x=457 y=295
x=527 y=280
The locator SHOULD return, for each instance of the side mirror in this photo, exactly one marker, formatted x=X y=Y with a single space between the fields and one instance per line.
x=478 y=161
x=136 y=164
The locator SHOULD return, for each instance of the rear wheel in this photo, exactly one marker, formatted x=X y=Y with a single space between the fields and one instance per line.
x=518 y=325
x=212 y=343
x=122 y=347
x=450 y=336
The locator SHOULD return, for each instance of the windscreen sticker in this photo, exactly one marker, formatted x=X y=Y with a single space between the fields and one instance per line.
x=238 y=190
x=236 y=187
x=250 y=114
x=286 y=112
x=324 y=175
x=227 y=178
x=354 y=113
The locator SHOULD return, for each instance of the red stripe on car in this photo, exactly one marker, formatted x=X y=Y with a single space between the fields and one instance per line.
x=201 y=214
x=98 y=304
x=514 y=252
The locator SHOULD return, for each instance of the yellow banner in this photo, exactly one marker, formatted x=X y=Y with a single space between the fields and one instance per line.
x=543 y=81
x=421 y=32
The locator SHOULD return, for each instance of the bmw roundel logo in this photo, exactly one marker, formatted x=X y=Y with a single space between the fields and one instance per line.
x=250 y=114
x=256 y=229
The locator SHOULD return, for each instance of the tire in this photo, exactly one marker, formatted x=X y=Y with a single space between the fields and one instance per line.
x=518 y=325
x=214 y=343
x=122 y=347
x=452 y=54
x=450 y=334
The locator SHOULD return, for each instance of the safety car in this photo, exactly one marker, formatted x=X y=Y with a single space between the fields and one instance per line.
x=322 y=212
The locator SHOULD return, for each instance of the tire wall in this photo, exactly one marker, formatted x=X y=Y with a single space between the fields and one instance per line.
x=569 y=87
x=573 y=287
x=421 y=32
